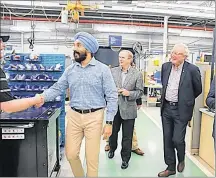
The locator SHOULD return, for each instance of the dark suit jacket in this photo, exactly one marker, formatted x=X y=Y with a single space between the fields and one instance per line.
x=210 y=99
x=210 y=102
x=190 y=87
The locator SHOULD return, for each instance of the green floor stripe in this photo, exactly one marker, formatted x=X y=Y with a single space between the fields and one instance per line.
x=150 y=140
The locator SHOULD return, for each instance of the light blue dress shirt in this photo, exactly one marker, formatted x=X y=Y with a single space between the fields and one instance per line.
x=90 y=87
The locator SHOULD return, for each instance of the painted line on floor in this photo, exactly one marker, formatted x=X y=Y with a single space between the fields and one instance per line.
x=194 y=160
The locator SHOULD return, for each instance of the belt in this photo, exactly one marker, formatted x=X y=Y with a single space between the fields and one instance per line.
x=172 y=103
x=86 y=111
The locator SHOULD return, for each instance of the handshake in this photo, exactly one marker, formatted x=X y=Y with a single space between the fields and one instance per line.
x=17 y=105
x=38 y=100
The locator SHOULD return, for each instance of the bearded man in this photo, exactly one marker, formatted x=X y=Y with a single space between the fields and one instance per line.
x=91 y=86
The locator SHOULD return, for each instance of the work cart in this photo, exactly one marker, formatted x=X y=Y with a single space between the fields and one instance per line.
x=29 y=143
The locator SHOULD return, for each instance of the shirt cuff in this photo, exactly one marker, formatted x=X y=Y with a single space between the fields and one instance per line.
x=45 y=96
x=109 y=117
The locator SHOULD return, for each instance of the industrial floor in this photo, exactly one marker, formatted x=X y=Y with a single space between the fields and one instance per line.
x=150 y=141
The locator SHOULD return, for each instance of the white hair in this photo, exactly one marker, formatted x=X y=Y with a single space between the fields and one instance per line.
x=130 y=54
x=184 y=46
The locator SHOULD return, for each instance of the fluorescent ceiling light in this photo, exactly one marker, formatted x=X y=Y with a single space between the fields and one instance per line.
x=166 y=12
x=175 y=5
x=28 y=29
x=197 y=34
x=115 y=29
x=36 y=3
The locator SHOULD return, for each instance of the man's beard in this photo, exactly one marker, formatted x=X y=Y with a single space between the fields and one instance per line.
x=79 y=57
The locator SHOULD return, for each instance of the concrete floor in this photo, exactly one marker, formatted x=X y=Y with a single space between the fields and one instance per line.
x=154 y=113
x=148 y=126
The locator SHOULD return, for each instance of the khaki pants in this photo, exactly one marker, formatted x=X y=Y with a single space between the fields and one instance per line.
x=134 y=141
x=80 y=126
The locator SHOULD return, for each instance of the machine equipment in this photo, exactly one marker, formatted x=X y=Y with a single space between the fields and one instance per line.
x=29 y=143
x=76 y=9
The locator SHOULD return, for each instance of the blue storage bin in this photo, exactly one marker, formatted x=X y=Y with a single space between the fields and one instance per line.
x=22 y=83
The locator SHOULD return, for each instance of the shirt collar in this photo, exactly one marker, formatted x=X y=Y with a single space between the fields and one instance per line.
x=179 y=67
x=126 y=70
x=92 y=62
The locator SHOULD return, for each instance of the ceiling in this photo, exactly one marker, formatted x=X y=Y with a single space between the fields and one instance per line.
x=181 y=13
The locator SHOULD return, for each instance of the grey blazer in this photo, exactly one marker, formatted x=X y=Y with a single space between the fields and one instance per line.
x=133 y=83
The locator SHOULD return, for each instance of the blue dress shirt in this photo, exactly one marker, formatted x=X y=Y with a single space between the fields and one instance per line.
x=90 y=87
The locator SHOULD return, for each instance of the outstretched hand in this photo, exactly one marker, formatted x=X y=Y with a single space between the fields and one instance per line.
x=39 y=100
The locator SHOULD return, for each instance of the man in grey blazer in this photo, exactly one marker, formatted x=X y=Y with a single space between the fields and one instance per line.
x=129 y=82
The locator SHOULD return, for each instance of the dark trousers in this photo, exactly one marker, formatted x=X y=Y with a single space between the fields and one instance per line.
x=174 y=131
x=127 y=134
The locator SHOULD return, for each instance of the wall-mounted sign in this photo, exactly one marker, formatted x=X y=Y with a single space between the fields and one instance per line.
x=115 y=40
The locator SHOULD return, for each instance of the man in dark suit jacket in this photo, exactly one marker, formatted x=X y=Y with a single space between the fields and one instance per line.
x=182 y=84
x=210 y=102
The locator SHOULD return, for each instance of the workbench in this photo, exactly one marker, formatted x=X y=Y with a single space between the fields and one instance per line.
x=206 y=148
x=29 y=143
x=156 y=91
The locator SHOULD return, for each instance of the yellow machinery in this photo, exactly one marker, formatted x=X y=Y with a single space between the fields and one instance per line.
x=76 y=8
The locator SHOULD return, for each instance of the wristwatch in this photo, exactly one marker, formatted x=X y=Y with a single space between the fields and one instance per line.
x=109 y=122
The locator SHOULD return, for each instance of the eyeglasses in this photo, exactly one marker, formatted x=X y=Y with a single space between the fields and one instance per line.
x=177 y=54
